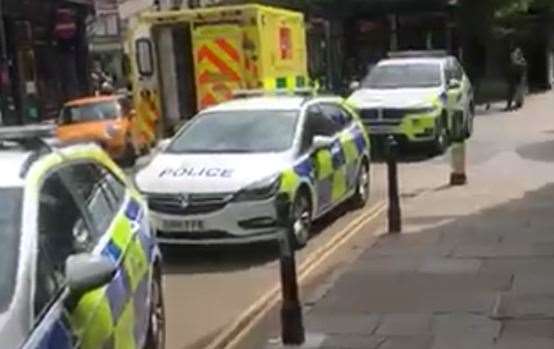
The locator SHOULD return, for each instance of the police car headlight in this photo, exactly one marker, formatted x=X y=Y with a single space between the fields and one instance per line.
x=261 y=190
x=423 y=110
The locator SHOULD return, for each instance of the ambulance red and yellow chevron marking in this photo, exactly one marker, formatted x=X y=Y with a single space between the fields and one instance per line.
x=219 y=70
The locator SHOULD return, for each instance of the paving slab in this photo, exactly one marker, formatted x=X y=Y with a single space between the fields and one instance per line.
x=407 y=342
x=413 y=293
x=405 y=325
x=464 y=331
x=347 y=324
x=441 y=265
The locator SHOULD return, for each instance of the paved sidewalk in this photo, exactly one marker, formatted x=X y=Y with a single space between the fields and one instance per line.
x=474 y=267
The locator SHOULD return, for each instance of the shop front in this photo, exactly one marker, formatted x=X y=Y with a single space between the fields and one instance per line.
x=46 y=57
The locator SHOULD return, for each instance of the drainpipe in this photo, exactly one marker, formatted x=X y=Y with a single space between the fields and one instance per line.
x=3 y=65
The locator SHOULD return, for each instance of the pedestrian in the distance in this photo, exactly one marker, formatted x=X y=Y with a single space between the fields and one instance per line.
x=516 y=77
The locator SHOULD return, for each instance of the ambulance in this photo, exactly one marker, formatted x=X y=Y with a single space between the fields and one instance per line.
x=187 y=60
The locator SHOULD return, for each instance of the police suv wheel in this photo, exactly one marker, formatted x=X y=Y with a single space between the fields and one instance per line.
x=440 y=144
x=362 y=187
x=302 y=219
x=470 y=120
x=156 y=327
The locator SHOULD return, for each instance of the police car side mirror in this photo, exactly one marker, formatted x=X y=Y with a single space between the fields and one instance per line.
x=86 y=272
x=454 y=84
x=163 y=144
x=321 y=142
x=354 y=85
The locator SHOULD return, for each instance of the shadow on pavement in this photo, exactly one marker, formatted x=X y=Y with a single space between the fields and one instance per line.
x=543 y=151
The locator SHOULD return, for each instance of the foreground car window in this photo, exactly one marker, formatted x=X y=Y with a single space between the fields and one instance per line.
x=404 y=76
x=10 y=224
x=237 y=132
x=89 y=112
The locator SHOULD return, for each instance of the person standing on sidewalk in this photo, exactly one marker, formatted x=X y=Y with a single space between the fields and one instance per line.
x=516 y=77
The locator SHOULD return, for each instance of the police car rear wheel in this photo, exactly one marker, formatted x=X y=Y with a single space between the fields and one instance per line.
x=156 y=329
x=302 y=220
x=362 y=187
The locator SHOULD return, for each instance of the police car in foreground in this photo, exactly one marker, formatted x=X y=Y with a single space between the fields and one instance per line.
x=79 y=267
x=217 y=180
x=416 y=96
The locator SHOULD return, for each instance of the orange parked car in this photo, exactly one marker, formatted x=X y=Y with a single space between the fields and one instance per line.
x=106 y=120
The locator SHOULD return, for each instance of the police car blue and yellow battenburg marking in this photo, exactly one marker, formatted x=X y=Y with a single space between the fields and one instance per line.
x=114 y=316
x=332 y=171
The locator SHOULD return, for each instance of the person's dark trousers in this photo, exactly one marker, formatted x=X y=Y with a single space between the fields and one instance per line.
x=512 y=89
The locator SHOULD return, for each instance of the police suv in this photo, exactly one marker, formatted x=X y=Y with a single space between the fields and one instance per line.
x=79 y=267
x=420 y=97
x=217 y=180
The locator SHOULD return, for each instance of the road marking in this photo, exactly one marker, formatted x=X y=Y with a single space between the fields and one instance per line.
x=244 y=323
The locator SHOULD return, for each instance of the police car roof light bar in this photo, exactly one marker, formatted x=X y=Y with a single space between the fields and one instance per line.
x=305 y=92
x=418 y=54
x=28 y=136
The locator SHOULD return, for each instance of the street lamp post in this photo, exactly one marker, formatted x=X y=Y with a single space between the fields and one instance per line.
x=292 y=328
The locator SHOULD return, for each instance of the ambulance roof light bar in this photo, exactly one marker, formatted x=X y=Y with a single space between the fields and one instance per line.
x=418 y=54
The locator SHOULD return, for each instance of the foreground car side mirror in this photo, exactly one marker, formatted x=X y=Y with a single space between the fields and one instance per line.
x=321 y=142
x=454 y=84
x=86 y=272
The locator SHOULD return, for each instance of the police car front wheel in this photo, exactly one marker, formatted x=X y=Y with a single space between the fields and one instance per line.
x=302 y=219
x=156 y=329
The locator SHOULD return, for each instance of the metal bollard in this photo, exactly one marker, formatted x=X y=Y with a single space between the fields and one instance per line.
x=292 y=328
x=458 y=152
x=395 y=220
x=458 y=163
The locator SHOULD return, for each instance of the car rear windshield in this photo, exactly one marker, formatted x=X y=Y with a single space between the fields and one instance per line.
x=237 y=132
x=404 y=76
x=89 y=112
x=10 y=225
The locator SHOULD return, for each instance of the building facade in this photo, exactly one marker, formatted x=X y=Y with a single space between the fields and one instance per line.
x=44 y=57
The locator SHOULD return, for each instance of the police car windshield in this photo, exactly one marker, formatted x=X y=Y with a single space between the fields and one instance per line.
x=89 y=112
x=10 y=224
x=254 y=131
x=419 y=75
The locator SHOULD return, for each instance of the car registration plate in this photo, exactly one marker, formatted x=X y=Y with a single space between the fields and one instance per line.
x=184 y=226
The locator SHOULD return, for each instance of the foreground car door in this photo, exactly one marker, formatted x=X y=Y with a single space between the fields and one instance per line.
x=85 y=208
x=352 y=144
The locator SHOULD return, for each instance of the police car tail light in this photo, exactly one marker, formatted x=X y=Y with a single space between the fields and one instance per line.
x=260 y=190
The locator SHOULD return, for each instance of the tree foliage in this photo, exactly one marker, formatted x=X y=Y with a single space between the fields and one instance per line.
x=506 y=8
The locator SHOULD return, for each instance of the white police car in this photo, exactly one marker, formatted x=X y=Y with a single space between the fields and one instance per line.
x=79 y=267
x=415 y=96
x=217 y=180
